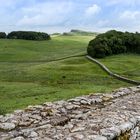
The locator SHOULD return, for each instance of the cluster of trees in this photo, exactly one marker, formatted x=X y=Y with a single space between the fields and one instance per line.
x=114 y=42
x=27 y=35
x=2 y=35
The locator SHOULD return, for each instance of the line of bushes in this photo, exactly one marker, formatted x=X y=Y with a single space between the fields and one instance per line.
x=27 y=35
x=114 y=42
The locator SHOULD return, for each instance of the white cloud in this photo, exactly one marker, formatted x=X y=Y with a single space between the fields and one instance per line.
x=48 y=13
x=93 y=10
x=123 y=2
x=102 y=23
x=130 y=15
x=61 y=15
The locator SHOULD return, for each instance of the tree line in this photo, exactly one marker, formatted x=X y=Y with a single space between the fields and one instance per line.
x=114 y=42
x=27 y=35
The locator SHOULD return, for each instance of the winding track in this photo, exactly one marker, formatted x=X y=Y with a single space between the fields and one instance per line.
x=91 y=59
x=113 y=74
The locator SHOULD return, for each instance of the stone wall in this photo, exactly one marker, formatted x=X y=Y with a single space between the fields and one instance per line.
x=110 y=116
x=113 y=74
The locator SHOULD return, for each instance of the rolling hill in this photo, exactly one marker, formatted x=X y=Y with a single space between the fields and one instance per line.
x=29 y=74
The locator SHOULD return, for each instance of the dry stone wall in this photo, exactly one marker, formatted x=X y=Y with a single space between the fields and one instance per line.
x=113 y=74
x=110 y=116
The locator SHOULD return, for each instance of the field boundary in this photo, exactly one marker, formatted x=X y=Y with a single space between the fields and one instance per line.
x=88 y=57
x=113 y=74
x=45 y=61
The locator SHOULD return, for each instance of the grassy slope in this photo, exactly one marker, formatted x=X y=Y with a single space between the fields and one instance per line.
x=127 y=65
x=22 y=84
x=61 y=46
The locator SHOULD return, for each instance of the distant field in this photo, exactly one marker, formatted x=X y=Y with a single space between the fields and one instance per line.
x=26 y=80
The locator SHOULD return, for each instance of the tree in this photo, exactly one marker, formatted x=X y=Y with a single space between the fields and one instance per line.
x=28 y=35
x=114 y=42
x=2 y=35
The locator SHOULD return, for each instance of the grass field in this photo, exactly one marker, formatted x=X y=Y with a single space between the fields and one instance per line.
x=36 y=51
x=27 y=78
x=127 y=65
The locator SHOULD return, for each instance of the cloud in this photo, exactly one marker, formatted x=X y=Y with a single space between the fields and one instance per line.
x=93 y=10
x=130 y=15
x=123 y=2
x=55 y=15
x=102 y=23
x=48 y=13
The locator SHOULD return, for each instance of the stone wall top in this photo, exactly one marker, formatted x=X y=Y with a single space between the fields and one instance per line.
x=91 y=117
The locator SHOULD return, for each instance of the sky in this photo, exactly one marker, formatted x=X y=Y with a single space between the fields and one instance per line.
x=63 y=15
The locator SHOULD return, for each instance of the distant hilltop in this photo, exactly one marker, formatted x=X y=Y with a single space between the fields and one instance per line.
x=80 y=32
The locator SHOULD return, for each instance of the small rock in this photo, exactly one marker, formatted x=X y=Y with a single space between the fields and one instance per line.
x=30 y=134
x=133 y=120
x=84 y=102
x=116 y=95
x=77 y=129
x=71 y=106
x=107 y=97
x=110 y=135
x=98 y=100
x=33 y=134
x=69 y=126
x=79 y=136
x=115 y=130
x=37 y=117
x=126 y=127
x=7 y=126
x=58 y=137
x=16 y=122
x=74 y=100
x=18 y=111
x=3 y=119
x=121 y=93
x=27 y=123
x=96 y=137
x=138 y=118
x=80 y=116
x=18 y=138
x=59 y=121
x=48 y=112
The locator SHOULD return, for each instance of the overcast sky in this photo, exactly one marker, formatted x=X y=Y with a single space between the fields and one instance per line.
x=63 y=15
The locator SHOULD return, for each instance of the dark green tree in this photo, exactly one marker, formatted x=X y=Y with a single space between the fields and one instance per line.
x=2 y=35
x=114 y=42
x=28 y=35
